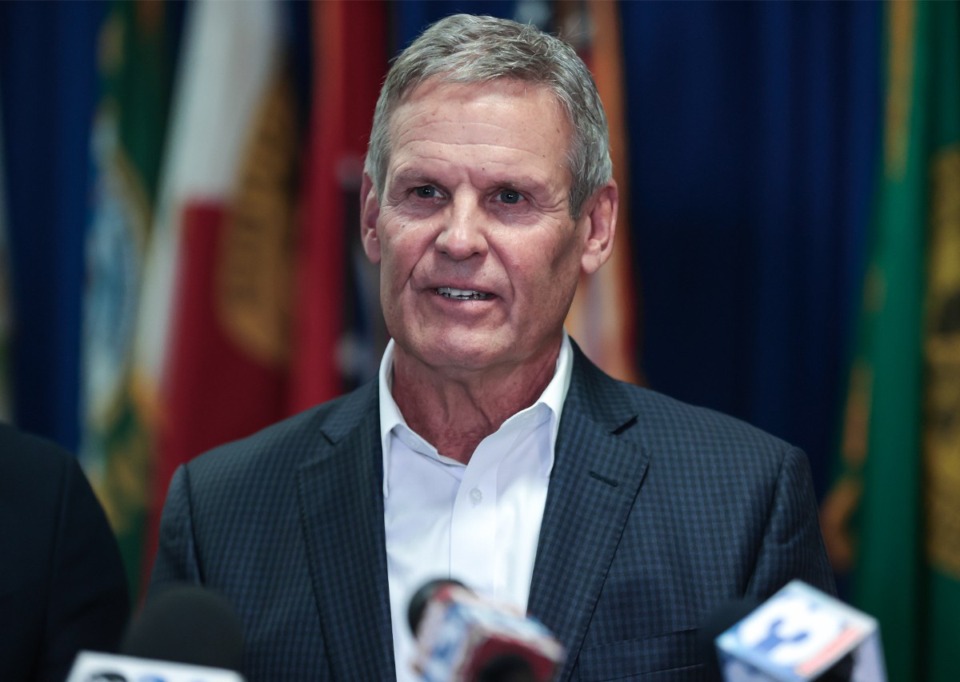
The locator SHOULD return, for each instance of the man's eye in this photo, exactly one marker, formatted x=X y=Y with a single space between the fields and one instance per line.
x=509 y=196
x=426 y=192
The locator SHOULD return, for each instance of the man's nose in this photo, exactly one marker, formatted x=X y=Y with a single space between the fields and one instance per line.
x=462 y=234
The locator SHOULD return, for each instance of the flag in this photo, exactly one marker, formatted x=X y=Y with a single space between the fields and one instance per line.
x=212 y=340
x=941 y=344
x=892 y=520
x=338 y=329
x=605 y=309
x=136 y=64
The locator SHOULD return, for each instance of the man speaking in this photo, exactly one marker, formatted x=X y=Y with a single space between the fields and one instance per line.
x=490 y=449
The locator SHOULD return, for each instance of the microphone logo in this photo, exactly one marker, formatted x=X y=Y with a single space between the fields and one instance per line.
x=793 y=629
x=92 y=666
x=799 y=634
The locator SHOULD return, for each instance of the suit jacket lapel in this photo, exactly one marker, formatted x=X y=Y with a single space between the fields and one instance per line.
x=596 y=477
x=341 y=507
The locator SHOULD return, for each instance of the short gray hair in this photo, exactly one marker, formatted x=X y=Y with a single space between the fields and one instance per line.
x=463 y=48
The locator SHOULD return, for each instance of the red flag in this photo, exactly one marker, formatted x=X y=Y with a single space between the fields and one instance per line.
x=349 y=66
x=214 y=328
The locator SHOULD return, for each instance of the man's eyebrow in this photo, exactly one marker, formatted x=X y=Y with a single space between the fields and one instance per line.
x=525 y=182
x=412 y=176
x=530 y=185
x=508 y=180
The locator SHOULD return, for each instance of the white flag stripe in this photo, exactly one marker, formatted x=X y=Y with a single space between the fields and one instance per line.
x=230 y=50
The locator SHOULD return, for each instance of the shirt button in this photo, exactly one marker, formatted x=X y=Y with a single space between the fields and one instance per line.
x=476 y=496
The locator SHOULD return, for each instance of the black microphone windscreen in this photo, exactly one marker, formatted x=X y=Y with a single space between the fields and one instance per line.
x=420 y=599
x=506 y=668
x=187 y=624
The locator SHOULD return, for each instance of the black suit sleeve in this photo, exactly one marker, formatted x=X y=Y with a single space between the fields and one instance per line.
x=176 y=559
x=89 y=598
x=62 y=583
x=792 y=547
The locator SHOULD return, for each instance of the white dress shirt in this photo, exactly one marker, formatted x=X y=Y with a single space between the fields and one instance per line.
x=478 y=523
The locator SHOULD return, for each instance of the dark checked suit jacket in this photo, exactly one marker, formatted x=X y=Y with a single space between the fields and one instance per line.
x=656 y=513
x=62 y=584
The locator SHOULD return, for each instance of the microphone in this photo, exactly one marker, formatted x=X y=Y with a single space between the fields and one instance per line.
x=798 y=634
x=187 y=624
x=184 y=634
x=463 y=638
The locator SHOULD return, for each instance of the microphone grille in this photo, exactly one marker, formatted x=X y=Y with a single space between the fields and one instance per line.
x=420 y=599
x=187 y=624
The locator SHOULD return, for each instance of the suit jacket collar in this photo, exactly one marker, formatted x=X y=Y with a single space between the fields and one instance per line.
x=341 y=508
x=596 y=478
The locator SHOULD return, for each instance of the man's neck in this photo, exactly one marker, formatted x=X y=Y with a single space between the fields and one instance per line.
x=456 y=414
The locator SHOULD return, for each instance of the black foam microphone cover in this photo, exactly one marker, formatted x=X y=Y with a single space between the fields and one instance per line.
x=420 y=599
x=189 y=624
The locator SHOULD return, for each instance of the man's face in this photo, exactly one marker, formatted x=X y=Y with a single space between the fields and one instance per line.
x=479 y=256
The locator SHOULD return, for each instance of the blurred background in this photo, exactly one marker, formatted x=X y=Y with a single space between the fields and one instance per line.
x=180 y=265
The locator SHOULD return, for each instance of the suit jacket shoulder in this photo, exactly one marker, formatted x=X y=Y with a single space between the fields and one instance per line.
x=286 y=444
x=62 y=584
x=618 y=405
x=247 y=486
x=288 y=525
x=658 y=512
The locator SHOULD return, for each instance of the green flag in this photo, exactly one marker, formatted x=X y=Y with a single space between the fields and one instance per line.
x=136 y=66
x=941 y=433
x=892 y=520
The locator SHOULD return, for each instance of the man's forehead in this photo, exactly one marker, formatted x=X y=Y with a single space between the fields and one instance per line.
x=453 y=110
x=446 y=86
x=506 y=123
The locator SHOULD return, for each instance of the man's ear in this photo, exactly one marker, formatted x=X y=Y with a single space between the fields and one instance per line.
x=600 y=216
x=369 y=212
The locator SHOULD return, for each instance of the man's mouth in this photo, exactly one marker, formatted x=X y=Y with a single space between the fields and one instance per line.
x=462 y=294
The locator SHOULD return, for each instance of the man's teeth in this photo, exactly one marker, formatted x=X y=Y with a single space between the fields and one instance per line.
x=462 y=294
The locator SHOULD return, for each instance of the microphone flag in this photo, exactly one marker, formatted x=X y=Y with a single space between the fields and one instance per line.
x=462 y=637
x=92 y=666
x=802 y=634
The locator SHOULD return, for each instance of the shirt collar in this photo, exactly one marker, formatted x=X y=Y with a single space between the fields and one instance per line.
x=553 y=397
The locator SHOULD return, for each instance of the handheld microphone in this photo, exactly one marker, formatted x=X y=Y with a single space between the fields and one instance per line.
x=462 y=638
x=187 y=624
x=184 y=634
x=798 y=635
x=725 y=617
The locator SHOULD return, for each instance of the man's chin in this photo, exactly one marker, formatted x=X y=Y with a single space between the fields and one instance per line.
x=462 y=354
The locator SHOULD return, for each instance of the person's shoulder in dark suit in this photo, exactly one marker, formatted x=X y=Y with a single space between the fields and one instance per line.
x=62 y=583
x=741 y=500
x=246 y=484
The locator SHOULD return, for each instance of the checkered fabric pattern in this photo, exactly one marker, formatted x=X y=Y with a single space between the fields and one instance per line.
x=657 y=512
